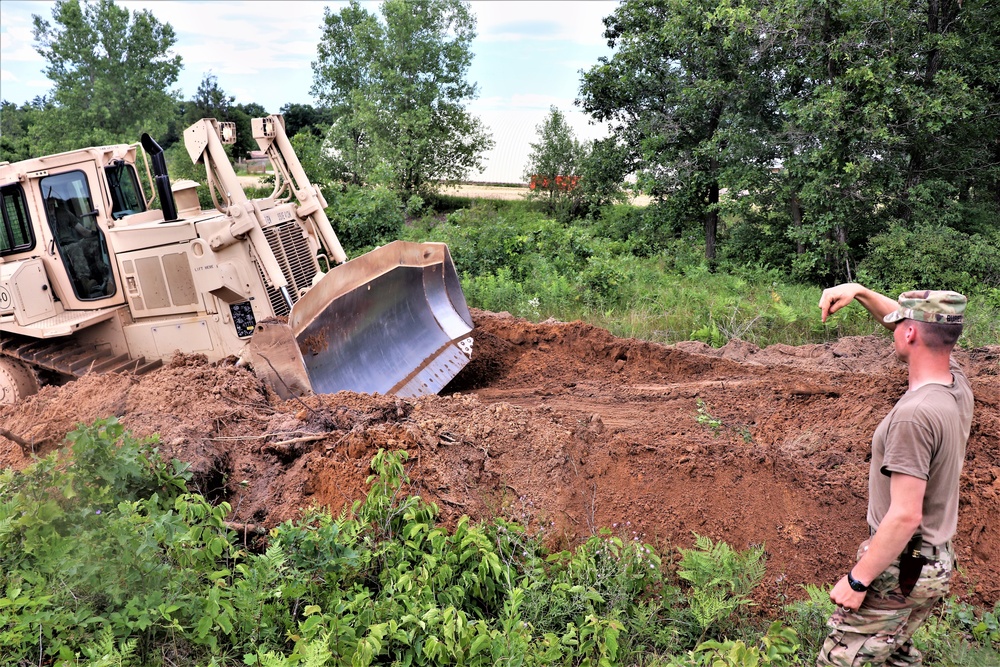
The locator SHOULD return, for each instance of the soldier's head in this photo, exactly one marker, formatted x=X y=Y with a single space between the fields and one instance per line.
x=937 y=315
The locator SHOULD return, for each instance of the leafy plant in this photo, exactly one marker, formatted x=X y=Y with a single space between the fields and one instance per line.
x=808 y=618
x=107 y=559
x=720 y=579
x=777 y=647
x=705 y=419
x=365 y=217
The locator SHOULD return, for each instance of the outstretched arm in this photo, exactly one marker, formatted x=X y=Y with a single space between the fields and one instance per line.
x=879 y=305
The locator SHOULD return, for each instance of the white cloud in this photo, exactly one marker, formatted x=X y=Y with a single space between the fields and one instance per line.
x=16 y=36
x=242 y=37
x=6 y=75
x=577 y=22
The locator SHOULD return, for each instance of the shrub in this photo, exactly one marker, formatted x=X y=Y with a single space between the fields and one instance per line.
x=105 y=557
x=932 y=257
x=720 y=578
x=808 y=618
x=365 y=216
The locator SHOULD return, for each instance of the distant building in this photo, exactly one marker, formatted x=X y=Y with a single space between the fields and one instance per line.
x=257 y=162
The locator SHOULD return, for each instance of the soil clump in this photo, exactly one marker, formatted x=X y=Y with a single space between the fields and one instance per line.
x=569 y=429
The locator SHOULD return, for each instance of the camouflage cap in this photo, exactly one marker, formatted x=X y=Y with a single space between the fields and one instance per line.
x=929 y=306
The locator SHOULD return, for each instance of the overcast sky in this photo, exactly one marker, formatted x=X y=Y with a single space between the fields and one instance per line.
x=528 y=55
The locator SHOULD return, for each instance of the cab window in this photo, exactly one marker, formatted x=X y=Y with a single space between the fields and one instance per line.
x=16 y=234
x=126 y=196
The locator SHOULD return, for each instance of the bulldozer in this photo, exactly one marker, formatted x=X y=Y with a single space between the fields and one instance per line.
x=95 y=279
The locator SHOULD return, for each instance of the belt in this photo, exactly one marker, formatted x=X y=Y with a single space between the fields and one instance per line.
x=934 y=551
x=931 y=552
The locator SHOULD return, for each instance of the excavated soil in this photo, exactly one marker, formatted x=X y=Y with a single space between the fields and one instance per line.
x=570 y=429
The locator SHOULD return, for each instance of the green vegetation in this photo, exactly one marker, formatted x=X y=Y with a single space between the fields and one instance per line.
x=106 y=558
x=397 y=91
x=630 y=272
x=111 y=71
x=836 y=122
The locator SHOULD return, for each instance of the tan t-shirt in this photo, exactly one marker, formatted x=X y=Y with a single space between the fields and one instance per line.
x=924 y=435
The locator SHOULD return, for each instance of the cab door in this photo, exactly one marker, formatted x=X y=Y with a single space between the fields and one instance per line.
x=75 y=205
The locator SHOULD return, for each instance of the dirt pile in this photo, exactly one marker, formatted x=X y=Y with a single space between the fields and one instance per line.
x=570 y=429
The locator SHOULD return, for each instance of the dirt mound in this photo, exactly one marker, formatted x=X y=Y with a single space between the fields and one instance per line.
x=570 y=429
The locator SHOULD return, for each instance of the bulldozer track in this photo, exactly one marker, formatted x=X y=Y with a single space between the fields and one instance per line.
x=68 y=357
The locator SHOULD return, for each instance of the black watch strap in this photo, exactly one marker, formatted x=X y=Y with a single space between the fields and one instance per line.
x=855 y=584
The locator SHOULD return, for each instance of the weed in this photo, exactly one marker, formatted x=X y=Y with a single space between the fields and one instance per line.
x=720 y=579
x=705 y=419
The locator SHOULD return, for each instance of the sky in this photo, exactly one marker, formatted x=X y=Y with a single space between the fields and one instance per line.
x=528 y=57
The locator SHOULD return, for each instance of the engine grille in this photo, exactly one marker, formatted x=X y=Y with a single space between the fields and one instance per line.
x=296 y=259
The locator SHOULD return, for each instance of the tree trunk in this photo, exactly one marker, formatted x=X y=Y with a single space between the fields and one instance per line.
x=712 y=221
x=800 y=247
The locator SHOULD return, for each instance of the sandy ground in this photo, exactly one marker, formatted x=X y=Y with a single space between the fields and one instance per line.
x=470 y=190
x=570 y=429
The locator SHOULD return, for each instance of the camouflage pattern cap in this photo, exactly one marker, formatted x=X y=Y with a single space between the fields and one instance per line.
x=929 y=306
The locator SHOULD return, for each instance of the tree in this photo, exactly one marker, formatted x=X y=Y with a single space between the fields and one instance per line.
x=681 y=97
x=397 y=91
x=830 y=123
x=15 y=128
x=306 y=118
x=242 y=114
x=554 y=163
x=111 y=72
x=888 y=119
x=210 y=101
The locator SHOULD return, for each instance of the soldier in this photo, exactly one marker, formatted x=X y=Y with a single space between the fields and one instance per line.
x=918 y=450
x=80 y=246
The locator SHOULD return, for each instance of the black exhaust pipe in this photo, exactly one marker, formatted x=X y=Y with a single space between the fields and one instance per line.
x=166 y=195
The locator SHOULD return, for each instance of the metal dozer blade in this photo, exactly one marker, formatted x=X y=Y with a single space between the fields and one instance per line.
x=392 y=321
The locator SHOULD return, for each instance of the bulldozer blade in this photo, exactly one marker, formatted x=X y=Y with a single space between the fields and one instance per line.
x=392 y=321
x=276 y=359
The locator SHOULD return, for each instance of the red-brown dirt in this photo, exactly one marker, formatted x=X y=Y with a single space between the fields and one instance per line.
x=571 y=429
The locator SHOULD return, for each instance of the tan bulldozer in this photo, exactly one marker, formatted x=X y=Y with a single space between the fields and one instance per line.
x=93 y=279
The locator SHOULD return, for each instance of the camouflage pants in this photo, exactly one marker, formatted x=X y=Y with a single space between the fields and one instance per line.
x=879 y=632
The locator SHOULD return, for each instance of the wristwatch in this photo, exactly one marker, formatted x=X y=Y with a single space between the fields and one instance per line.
x=855 y=584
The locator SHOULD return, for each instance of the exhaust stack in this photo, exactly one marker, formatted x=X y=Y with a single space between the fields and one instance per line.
x=160 y=176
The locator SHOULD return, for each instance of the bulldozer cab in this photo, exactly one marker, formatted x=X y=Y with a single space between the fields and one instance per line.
x=76 y=236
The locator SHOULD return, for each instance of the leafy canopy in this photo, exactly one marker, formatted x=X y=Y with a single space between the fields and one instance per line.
x=828 y=123
x=397 y=89
x=555 y=160
x=112 y=70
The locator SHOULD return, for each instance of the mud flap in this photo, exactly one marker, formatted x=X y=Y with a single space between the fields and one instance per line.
x=393 y=321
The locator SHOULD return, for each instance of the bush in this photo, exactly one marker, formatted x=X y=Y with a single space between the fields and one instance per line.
x=365 y=216
x=721 y=579
x=808 y=618
x=932 y=257
x=105 y=558
x=647 y=231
